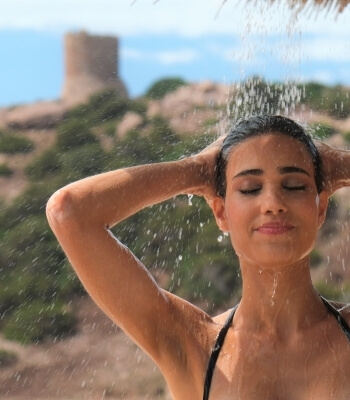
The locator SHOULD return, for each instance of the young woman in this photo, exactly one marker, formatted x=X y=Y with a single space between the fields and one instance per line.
x=264 y=185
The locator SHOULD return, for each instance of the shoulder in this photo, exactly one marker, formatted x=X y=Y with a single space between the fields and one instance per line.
x=221 y=318
x=343 y=309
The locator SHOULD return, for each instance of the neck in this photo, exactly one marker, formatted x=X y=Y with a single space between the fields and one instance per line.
x=278 y=301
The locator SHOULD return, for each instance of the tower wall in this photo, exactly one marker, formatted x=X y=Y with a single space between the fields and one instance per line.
x=91 y=65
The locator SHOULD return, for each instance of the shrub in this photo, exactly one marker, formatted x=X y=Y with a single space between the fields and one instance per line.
x=5 y=170
x=315 y=258
x=329 y=291
x=333 y=101
x=31 y=202
x=36 y=320
x=7 y=358
x=313 y=93
x=108 y=105
x=321 y=130
x=30 y=242
x=346 y=136
x=11 y=143
x=109 y=128
x=164 y=86
x=82 y=112
x=102 y=107
x=84 y=161
x=138 y=106
x=74 y=133
x=45 y=164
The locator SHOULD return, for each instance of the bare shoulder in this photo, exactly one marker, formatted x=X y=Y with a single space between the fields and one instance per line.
x=221 y=318
x=343 y=309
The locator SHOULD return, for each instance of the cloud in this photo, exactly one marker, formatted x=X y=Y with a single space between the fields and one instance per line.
x=132 y=54
x=328 y=48
x=182 y=17
x=177 y=56
x=169 y=57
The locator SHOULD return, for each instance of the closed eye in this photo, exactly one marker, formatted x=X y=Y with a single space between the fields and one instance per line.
x=302 y=187
x=250 y=191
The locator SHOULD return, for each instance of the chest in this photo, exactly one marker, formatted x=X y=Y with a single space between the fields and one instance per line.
x=250 y=369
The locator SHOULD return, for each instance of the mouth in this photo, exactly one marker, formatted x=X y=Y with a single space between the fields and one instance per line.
x=274 y=228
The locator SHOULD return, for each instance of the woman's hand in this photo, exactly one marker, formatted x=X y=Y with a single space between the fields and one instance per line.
x=335 y=167
x=208 y=158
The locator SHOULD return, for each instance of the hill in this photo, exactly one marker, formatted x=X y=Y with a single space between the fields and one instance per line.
x=70 y=345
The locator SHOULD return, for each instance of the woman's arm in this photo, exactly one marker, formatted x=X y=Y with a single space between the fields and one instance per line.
x=80 y=215
x=335 y=167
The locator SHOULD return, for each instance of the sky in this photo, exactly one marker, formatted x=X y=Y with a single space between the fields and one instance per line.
x=225 y=41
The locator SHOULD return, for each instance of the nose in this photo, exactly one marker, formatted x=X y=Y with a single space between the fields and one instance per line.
x=272 y=202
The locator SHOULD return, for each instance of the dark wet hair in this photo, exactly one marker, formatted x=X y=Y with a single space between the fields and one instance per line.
x=260 y=125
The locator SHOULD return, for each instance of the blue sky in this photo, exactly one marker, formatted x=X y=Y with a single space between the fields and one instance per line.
x=194 y=39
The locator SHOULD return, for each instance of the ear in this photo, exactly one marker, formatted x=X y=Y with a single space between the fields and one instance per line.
x=322 y=207
x=218 y=207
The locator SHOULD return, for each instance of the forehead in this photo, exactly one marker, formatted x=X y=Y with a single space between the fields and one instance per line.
x=271 y=150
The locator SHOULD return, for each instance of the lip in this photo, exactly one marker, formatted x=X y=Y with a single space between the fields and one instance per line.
x=274 y=228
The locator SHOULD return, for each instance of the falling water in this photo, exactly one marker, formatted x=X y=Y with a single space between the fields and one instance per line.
x=249 y=95
x=252 y=94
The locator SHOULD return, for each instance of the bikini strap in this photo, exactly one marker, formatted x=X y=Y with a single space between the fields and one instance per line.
x=215 y=353
x=342 y=322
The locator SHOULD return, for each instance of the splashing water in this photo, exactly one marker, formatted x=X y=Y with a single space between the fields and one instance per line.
x=274 y=289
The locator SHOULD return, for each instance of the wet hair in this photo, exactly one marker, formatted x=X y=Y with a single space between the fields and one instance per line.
x=260 y=125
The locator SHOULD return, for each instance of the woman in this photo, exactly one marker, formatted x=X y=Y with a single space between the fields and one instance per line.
x=264 y=185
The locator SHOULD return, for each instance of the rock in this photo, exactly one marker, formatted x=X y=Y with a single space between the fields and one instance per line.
x=39 y=115
x=190 y=107
x=130 y=121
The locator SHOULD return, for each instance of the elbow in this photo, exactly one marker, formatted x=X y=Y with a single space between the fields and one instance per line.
x=59 y=208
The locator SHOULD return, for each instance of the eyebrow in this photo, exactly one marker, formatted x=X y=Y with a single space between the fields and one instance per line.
x=282 y=170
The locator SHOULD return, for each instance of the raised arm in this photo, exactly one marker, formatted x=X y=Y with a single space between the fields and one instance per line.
x=80 y=215
x=335 y=167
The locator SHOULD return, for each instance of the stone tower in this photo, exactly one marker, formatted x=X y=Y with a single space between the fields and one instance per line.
x=91 y=65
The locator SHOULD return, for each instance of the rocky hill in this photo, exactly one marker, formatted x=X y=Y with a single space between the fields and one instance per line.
x=99 y=361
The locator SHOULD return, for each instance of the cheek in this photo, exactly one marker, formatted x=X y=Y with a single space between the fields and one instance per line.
x=239 y=216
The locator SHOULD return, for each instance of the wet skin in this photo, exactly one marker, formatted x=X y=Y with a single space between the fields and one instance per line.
x=272 y=209
x=282 y=343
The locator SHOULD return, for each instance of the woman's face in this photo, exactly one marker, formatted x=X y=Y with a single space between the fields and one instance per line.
x=272 y=209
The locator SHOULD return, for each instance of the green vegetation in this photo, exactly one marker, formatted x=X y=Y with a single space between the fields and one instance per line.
x=33 y=322
x=164 y=86
x=36 y=281
x=333 y=101
x=102 y=107
x=321 y=130
x=5 y=170
x=74 y=133
x=315 y=258
x=256 y=96
x=7 y=358
x=329 y=291
x=11 y=143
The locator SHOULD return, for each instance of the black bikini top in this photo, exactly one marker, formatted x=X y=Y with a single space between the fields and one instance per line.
x=222 y=335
